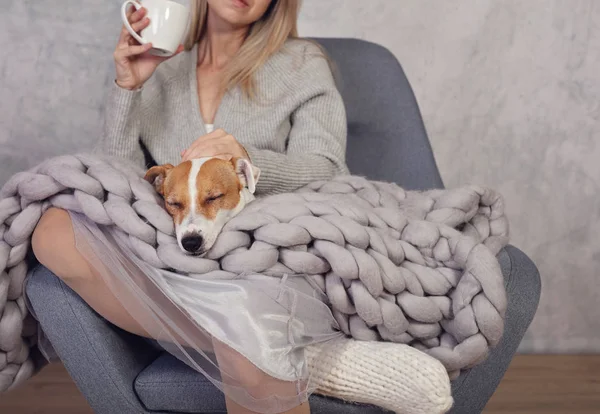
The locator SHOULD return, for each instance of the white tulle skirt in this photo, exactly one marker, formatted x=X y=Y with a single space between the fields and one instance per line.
x=247 y=335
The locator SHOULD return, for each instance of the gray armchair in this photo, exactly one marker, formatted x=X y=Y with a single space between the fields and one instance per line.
x=121 y=373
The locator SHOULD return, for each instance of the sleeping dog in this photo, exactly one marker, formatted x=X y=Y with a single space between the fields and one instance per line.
x=202 y=195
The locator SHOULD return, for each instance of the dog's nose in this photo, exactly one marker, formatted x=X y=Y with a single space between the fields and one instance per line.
x=192 y=243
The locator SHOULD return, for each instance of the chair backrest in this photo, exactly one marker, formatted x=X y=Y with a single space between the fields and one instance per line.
x=386 y=136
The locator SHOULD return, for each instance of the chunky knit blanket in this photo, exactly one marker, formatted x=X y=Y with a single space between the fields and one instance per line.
x=416 y=268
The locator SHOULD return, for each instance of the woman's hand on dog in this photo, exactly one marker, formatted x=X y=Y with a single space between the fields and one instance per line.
x=218 y=144
x=133 y=64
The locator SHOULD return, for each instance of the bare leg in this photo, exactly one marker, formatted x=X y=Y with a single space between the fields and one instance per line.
x=55 y=229
x=255 y=382
x=53 y=243
x=234 y=408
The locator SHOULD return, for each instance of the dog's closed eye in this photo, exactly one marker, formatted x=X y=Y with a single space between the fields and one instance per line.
x=213 y=198
x=174 y=204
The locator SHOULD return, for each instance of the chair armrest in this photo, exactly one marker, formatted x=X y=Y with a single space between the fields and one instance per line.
x=473 y=388
x=102 y=359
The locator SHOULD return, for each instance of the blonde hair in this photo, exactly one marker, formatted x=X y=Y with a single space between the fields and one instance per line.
x=265 y=37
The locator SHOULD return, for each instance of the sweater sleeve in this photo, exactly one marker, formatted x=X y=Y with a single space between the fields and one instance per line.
x=316 y=144
x=122 y=126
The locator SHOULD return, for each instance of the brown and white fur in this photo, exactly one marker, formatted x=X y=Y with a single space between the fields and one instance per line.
x=202 y=195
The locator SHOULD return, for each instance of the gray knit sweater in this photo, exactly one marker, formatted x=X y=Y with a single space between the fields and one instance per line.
x=295 y=131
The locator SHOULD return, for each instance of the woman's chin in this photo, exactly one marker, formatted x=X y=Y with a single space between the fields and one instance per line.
x=235 y=18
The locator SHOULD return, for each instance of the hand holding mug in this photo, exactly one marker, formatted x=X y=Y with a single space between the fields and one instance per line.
x=139 y=52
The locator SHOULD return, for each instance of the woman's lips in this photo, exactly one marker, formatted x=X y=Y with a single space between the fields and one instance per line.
x=240 y=3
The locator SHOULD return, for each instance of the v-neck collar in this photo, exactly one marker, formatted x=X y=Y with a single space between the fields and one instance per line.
x=220 y=119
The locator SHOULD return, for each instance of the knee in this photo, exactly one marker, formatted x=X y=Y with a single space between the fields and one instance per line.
x=52 y=239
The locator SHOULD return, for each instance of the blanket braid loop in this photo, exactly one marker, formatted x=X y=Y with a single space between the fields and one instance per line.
x=416 y=268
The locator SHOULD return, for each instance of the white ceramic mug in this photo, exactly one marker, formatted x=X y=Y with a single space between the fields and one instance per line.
x=168 y=25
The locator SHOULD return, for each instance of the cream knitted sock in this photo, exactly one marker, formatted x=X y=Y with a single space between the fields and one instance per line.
x=393 y=376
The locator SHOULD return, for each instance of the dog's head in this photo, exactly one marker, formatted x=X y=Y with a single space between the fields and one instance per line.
x=202 y=195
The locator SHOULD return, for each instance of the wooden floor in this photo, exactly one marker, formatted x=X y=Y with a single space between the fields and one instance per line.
x=533 y=385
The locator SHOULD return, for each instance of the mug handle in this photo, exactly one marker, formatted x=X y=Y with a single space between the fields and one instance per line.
x=126 y=22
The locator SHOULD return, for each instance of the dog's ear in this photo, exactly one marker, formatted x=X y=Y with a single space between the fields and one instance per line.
x=247 y=173
x=156 y=176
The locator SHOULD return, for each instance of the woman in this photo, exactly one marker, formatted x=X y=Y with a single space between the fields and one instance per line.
x=242 y=85
x=243 y=74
